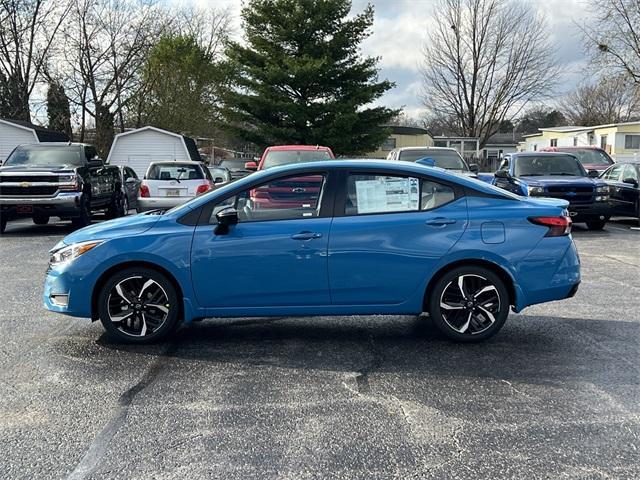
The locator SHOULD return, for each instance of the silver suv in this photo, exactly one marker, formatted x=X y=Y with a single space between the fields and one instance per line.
x=447 y=158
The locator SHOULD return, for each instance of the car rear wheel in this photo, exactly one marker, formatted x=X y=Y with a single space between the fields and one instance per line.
x=3 y=224
x=469 y=304
x=84 y=218
x=596 y=224
x=138 y=305
x=116 y=208
x=41 y=219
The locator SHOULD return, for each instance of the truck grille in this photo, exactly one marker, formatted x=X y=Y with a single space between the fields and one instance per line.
x=574 y=194
x=28 y=191
x=28 y=178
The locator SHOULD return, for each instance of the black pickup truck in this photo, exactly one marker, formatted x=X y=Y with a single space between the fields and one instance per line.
x=66 y=180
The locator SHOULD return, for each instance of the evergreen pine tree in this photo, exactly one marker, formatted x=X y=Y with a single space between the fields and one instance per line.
x=58 y=109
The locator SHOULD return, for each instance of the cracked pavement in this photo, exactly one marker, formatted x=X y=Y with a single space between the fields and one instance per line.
x=554 y=395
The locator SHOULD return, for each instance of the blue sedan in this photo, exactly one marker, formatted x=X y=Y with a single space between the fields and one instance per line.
x=348 y=237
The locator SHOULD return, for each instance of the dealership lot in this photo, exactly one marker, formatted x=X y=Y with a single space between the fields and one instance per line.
x=554 y=394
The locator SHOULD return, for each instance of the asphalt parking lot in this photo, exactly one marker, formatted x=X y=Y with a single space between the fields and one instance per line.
x=554 y=395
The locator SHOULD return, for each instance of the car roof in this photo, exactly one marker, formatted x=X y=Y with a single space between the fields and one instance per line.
x=296 y=147
x=175 y=162
x=426 y=147
x=541 y=154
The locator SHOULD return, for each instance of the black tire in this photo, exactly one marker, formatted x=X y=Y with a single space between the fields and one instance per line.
x=84 y=217
x=41 y=219
x=144 y=319
x=125 y=205
x=116 y=207
x=597 y=224
x=472 y=316
x=3 y=225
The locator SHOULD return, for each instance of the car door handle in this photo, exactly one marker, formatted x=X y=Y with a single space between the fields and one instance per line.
x=306 y=236
x=440 y=221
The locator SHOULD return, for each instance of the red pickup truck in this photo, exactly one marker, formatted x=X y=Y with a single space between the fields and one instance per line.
x=297 y=192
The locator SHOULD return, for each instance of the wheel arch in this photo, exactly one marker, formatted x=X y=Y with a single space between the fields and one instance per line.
x=129 y=264
x=477 y=262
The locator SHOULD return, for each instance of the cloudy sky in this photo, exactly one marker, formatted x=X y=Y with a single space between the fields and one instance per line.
x=400 y=28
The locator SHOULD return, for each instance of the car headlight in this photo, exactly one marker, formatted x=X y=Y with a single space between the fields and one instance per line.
x=535 y=190
x=67 y=254
x=602 y=190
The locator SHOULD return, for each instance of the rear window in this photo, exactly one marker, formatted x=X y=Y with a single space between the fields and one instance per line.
x=44 y=156
x=172 y=171
x=448 y=159
x=591 y=156
x=545 y=165
x=285 y=157
x=233 y=164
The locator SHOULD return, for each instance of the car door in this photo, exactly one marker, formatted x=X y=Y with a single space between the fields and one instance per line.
x=629 y=189
x=276 y=255
x=614 y=180
x=131 y=186
x=389 y=233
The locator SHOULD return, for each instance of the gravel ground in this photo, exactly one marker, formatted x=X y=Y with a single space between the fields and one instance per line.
x=554 y=395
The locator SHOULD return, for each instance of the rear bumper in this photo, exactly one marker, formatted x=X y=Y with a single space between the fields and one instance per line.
x=594 y=211
x=63 y=204
x=152 y=203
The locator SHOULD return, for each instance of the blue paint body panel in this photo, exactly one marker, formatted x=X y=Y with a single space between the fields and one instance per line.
x=367 y=264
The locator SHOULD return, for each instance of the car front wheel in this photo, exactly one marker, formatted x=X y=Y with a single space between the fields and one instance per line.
x=596 y=224
x=138 y=305
x=469 y=304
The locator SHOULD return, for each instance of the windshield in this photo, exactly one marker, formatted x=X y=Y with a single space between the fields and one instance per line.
x=449 y=159
x=234 y=164
x=592 y=156
x=284 y=157
x=533 y=165
x=172 y=171
x=45 y=156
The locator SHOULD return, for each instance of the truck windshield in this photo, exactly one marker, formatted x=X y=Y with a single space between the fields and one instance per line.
x=45 y=156
x=284 y=157
x=449 y=159
x=539 y=165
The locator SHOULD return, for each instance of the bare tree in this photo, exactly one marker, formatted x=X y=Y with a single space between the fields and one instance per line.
x=106 y=45
x=484 y=61
x=27 y=31
x=610 y=100
x=614 y=35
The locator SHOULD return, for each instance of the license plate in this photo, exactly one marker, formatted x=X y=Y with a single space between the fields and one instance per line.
x=173 y=193
x=24 y=208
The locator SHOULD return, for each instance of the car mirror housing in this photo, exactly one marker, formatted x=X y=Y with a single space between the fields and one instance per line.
x=593 y=174
x=218 y=180
x=502 y=174
x=95 y=163
x=473 y=167
x=226 y=218
x=130 y=180
x=630 y=181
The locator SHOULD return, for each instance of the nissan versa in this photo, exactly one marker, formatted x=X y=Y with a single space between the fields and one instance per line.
x=375 y=238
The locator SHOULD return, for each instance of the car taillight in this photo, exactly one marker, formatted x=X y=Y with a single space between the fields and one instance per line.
x=203 y=188
x=144 y=191
x=558 y=226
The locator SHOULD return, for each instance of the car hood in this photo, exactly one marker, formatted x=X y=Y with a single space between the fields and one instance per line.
x=556 y=180
x=36 y=168
x=120 y=227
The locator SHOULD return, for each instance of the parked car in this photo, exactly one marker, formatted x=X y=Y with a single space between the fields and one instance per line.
x=168 y=184
x=219 y=174
x=591 y=158
x=130 y=188
x=65 y=180
x=285 y=194
x=556 y=175
x=236 y=167
x=447 y=158
x=381 y=238
x=279 y=155
x=624 y=193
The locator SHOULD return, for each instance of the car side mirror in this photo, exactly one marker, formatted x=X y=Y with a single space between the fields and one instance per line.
x=253 y=166
x=593 y=174
x=130 y=180
x=631 y=181
x=218 y=180
x=226 y=218
x=95 y=163
x=502 y=174
x=473 y=167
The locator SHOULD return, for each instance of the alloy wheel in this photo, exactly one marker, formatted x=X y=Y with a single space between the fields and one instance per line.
x=469 y=304
x=138 y=306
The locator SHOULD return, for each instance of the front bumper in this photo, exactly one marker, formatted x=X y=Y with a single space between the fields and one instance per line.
x=153 y=203
x=63 y=204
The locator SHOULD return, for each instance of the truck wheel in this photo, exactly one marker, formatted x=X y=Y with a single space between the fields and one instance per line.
x=84 y=218
x=596 y=224
x=3 y=225
x=138 y=305
x=116 y=207
x=41 y=219
x=469 y=304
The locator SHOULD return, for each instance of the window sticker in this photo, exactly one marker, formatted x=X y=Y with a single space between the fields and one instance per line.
x=387 y=194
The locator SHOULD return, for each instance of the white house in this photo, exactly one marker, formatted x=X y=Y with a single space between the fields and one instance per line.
x=138 y=148
x=17 y=132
